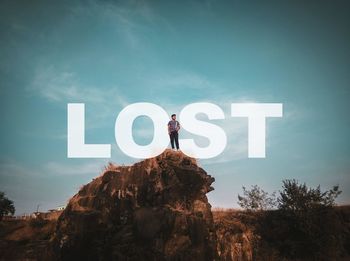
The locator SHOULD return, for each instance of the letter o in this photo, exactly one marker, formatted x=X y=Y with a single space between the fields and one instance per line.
x=123 y=130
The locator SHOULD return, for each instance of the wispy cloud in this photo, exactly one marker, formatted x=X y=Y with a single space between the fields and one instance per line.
x=58 y=86
x=127 y=19
x=13 y=168
x=49 y=184
x=182 y=79
x=92 y=167
x=10 y=167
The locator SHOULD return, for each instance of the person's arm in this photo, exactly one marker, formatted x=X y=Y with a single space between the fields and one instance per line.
x=178 y=127
x=169 y=128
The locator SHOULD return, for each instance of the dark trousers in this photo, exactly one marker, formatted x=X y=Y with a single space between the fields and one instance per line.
x=174 y=136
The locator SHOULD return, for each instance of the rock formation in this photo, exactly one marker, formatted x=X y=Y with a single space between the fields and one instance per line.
x=235 y=235
x=156 y=209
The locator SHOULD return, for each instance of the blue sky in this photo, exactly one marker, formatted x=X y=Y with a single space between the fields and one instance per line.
x=109 y=54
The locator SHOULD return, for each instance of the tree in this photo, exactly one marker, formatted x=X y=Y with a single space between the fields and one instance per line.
x=6 y=206
x=256 y=199
x=298 y=197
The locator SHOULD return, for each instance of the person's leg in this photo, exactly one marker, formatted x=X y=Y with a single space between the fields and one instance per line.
x=177 y=139
x=172 y=139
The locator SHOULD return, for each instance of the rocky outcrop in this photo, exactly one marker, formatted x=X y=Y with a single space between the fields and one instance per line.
x=156 y=209
x=235 y=235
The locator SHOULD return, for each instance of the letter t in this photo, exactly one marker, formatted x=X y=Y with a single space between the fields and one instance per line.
x=257 y=114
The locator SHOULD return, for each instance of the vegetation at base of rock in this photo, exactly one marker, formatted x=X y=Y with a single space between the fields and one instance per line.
x=299 y=197
x=294 y=197
x=273 y=235
x=256 y=199
x=38 y=222
x=305 y=225
x=6 y=206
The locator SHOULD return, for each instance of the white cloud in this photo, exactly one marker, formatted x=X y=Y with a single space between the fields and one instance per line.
x=58 y=86
x=61 y=88
x=183 y=80
x=127 y=18
x=12 y=168
x=93 y=167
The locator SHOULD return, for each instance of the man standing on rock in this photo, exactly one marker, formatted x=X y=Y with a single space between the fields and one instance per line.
x=173 y=129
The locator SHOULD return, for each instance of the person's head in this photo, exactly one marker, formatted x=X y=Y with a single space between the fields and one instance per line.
x=173 y=116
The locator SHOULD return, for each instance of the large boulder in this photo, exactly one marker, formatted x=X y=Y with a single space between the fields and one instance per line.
x=156 y=209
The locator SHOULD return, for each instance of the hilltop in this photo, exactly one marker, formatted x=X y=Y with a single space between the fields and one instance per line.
x=157 y=209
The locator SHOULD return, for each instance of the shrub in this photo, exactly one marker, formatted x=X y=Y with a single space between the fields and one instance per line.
x=256 y=199
x=6 y=206
x=298 y=197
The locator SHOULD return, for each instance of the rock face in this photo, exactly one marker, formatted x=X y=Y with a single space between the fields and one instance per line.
x=235 y=234
x=156 y=209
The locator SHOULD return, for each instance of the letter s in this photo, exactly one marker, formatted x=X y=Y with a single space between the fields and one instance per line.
x=216 y=135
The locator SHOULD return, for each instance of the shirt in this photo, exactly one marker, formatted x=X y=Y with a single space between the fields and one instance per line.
x=173 y=125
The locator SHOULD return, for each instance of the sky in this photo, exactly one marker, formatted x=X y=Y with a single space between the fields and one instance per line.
x=108 y=54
